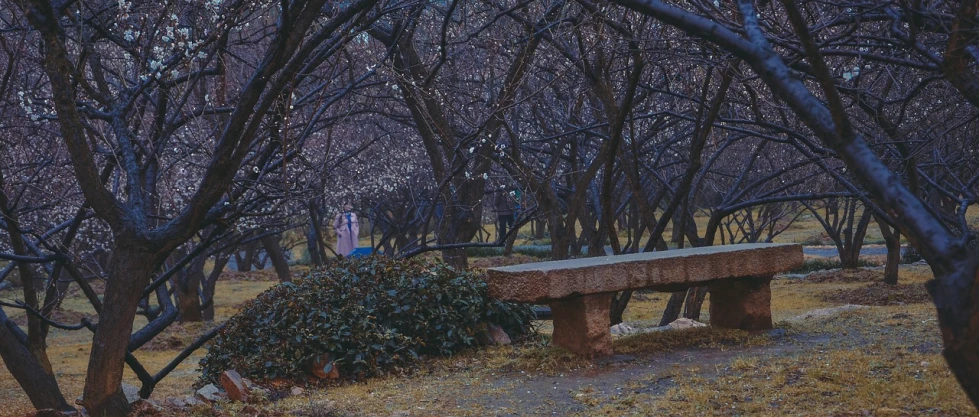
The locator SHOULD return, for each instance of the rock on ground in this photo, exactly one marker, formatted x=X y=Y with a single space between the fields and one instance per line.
x=824 y=313
x=623 y=329
x=497 y=337
x=234 y=385
x=210 y=393
x=685 y=323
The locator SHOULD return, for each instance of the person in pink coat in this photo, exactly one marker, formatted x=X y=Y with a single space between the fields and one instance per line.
x=347 y=229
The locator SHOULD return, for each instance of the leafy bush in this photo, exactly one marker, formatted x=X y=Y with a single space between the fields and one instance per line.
x=532 y=251
x=375 y=315
x=910 y=255
x=820 y=264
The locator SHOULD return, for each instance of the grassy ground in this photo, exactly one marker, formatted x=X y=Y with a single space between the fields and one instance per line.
x=69 y=350
x=878 y=360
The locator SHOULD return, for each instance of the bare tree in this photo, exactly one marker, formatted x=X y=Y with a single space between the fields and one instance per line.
x=952 y=256
x=141 y=110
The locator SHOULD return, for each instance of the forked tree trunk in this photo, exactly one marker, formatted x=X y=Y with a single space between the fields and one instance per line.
x=41 y=387
x=130 y=270
x=245 y=262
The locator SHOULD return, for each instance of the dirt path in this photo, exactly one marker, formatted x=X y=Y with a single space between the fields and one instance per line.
x=571 y=392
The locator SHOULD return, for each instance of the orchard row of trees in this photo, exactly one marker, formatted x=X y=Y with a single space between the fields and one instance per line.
x=140 y=139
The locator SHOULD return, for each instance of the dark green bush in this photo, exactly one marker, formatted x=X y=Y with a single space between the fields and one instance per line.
x=375 y=315
x=910 y=255
x=820 y=264
x=532 y=251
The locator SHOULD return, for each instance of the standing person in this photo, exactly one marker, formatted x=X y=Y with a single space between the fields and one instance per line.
x=347 y=229
x=503 y=206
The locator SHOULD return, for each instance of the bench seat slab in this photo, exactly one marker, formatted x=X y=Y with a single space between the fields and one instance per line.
x=744 y=303
x=581 y=324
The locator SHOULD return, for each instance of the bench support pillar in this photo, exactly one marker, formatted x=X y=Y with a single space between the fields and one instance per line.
x=581 y=324
x=744 y=303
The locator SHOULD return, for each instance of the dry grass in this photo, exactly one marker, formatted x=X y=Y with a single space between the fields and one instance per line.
x=840 y=382
x=872 y=361
x=69 y=351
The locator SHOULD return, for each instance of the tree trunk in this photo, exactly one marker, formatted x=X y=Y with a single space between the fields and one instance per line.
x=456 y=258
x=508 y=245
x=619 y=303
x=36 y=330
x=850 y=257
x=186 y=290
x=695 y=300
x=41 y=387
x=892 y=239
x=271 y=244
x=207 y=290
x=673 y=308
x=129 y=271
x=244 y=263
x=312 y=238
x=960 y=324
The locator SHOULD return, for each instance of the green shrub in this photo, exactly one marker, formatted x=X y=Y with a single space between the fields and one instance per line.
x=483 y=252
x=532 y=251
x=375 y=315
x=535 y=252
x=819 y=264
x=910 y=255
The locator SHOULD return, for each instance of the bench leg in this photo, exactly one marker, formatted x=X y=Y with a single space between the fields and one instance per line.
x=744 y=303
x=581 y=324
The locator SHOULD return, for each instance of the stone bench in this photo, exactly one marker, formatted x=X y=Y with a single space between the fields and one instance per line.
x=580 y=290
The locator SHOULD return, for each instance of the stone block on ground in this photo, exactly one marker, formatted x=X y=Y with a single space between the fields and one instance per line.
x=233 y=384
x=581 y=325
x=744 y=303
x=623 y=329
x=181 y=403
x=210 y=393
x=685 y=323
x=497 y=336
x=543 y=282
x=131 y=392
x=825 y=313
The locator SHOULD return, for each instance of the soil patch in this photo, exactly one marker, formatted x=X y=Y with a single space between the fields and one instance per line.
x=879 y=294
x=164 y=343
x=846 y=275
x=177 y=336
x=68 y=317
